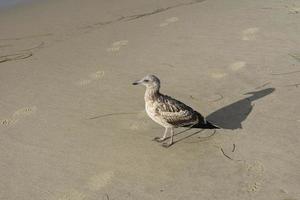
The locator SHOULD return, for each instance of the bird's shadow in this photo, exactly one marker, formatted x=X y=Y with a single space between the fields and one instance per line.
x=232 y=115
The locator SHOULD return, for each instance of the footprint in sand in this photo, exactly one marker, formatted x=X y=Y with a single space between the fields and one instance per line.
x=295 y=56
x=250 y=33
x=23 y=112
x=84 y=82
x=116 y=46
x=7 y=122
x=169 y=21
x=17 y=115
x=98 y=75
x=237 y=65
x=293 y=9
x=255 y=172
x=218 y=75
x=254 y=187
x=73 y=195
x=100 y=180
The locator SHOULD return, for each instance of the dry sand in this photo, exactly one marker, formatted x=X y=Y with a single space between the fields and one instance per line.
x=74 y=128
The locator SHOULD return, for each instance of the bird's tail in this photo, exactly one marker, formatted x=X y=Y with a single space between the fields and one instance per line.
x=204 y=124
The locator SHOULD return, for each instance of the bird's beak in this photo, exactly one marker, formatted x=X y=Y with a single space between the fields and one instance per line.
x=137 y=82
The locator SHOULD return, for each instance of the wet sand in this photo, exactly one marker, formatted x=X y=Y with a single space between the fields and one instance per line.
x=74 y=128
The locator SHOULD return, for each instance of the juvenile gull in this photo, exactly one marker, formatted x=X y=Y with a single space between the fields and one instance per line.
x=168 y=112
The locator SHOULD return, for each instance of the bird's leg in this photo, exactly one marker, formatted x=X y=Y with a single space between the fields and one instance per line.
x=171 y=140
x=163 y=138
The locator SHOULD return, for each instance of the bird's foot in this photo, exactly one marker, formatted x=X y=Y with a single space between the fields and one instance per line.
x=167 y=144
x=158 y=139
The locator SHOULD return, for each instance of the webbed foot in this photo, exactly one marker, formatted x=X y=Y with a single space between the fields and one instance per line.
x=158 y=139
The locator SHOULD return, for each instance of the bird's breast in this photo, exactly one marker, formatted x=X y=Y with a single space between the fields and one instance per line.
x=150 y=109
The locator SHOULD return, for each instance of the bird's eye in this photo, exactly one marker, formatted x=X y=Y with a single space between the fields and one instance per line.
x=146 y=80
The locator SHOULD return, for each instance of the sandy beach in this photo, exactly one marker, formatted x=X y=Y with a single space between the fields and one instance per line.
x=72 y=126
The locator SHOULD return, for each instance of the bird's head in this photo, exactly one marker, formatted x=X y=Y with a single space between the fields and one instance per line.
x=150 y=81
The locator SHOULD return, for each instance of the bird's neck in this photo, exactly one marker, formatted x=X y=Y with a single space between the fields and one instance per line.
x=151 y=94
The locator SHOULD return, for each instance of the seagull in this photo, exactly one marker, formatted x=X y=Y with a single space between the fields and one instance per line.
x=169 y=112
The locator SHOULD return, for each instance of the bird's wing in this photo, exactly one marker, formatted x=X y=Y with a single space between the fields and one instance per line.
x=175 y=112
